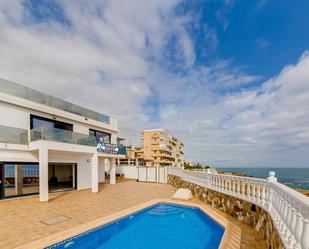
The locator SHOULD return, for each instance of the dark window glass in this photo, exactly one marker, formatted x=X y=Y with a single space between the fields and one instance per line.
x=36 y=121
x=100 y=136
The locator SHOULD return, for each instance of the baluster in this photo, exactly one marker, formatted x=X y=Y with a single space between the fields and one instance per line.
x=230 y=185
x=258 y=193
x=304 y=241
x=287 y=221
x=292 y=221
x=243 y=189
x=253 y=192
x=238 y=187
x=225 y=184
x=263 y=194
x=298 y=227
x=221 y=182
x=248 y=190
x=234 y=187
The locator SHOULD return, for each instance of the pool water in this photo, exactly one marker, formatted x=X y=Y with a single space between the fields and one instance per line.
x=160 y=226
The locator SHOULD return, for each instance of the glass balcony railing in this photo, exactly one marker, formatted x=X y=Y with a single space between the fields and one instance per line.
x=14 y=89
x=13 y=135
x=63 y=136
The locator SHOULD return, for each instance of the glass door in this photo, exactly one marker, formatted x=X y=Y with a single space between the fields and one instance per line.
x=1 y=180
x=18 y=179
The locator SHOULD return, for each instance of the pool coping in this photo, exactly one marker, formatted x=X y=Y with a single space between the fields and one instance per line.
x=230 y=240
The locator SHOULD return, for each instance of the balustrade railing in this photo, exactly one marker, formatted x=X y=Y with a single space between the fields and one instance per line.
x=288 y=209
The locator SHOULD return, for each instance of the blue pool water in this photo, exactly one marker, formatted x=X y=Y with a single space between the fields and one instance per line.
x=160 y=226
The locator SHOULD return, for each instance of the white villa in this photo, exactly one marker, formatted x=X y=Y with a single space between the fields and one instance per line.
x=48 y=144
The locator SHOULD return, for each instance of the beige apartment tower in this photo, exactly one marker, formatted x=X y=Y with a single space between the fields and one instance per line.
x=162 y=148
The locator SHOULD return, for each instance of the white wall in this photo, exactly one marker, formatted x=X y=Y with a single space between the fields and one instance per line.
x=19 y=117
x=83 y=166
x=130 y=172
x=18 y=156
x=14 y=117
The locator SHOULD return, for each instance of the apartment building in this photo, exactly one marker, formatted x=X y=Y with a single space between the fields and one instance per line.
x=48 y=144
x=162 y=148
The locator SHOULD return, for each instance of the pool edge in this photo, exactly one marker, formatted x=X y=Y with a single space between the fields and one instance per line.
x=230 y=238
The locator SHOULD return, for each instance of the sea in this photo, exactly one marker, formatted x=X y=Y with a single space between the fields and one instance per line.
x=292 y=177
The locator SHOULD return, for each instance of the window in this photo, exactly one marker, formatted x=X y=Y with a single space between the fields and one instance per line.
x=100 y=136
x=19 y=179
x=36 y=121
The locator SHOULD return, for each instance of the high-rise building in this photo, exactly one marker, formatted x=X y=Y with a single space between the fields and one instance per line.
x=162 y=148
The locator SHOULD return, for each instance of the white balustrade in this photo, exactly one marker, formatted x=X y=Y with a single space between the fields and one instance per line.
x=288 y=209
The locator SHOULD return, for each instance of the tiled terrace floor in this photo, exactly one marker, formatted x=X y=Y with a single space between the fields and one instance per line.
x=20 y=219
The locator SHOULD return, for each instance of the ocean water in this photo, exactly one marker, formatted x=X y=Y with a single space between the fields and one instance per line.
x=293 y=177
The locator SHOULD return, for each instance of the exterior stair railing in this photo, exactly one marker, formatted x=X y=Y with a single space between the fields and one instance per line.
x=288 y=209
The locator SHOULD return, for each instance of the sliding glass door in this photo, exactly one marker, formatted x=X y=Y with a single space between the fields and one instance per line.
x=19 y=179
x=1 y=181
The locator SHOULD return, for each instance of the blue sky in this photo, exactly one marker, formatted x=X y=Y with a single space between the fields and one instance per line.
x=230 y=78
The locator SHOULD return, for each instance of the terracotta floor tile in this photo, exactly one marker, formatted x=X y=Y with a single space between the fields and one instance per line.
x=21 y=218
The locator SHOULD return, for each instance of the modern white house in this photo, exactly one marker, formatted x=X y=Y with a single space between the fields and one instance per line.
x=48 y=144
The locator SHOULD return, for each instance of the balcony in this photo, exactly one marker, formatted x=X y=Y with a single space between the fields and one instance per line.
x=13 y=135
x=62 y=136
x=16 y=90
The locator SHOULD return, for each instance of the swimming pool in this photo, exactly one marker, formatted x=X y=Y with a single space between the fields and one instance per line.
x=160 y=226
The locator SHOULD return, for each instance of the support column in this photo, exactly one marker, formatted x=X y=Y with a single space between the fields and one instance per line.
x=94 y=173
x=112 y=171
x=102 y=169
x=43 y=169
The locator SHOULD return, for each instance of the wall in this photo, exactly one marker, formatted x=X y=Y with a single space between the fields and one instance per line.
x=242 y=210
x=14 y=117
x=18 y=156
x=83 y=166
x=130 y=172
x=18 y=116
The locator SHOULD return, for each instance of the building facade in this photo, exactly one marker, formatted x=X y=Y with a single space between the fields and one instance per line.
x=162 y=148
x=48 y=144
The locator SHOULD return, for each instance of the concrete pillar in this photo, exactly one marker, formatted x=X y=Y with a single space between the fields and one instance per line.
x=43 y=165
x=19 y=179
x=102 y=169
x=113 y=171
x=94 y=173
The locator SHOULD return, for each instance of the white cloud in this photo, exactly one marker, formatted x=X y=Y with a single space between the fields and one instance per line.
x=109 y=58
